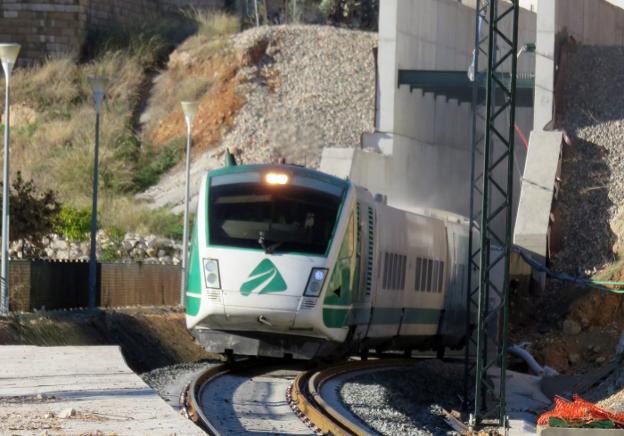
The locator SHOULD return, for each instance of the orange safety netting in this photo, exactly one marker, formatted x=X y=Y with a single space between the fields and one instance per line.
x=580 y=412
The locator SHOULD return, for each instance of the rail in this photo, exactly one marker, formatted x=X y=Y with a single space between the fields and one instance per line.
x=304 y=397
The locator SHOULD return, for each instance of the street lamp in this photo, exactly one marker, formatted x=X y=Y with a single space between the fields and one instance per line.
x=98 y=87
x=190 y=109
x=8 y=56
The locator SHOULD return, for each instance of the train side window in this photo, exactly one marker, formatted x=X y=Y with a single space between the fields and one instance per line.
x=397 y=268
x=386 y=269
x=434 y=277
x=423 y=277
x=429 y=275
x=441 y=276
x=417 y=277
x=391 y=274
x=394 y=275
x=403 y=271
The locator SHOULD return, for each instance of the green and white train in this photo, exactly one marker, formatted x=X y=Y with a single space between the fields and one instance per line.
x=288 y=261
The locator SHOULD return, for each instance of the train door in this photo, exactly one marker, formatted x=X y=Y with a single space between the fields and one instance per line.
x=362 y=295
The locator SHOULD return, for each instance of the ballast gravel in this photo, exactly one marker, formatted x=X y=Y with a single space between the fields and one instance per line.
x=400 y=401
x=313 y=87
x=170 y=381
x=592 y=190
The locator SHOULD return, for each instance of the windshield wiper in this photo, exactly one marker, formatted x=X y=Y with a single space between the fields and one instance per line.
x=270 y=248
x=261 y=241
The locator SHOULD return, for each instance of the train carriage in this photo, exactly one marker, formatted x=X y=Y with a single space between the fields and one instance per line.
x=286 y=260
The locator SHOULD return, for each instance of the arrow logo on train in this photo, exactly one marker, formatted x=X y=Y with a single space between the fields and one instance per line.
x=264 y=279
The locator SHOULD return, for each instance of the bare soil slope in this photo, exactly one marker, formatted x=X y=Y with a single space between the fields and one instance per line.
x=275 y=92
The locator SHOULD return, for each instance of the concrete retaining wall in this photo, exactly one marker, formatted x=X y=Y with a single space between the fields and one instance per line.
x=426 y=140
x=47 y=28
x=63 y=285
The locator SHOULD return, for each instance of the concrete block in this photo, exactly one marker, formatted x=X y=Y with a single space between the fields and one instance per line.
x=536 y=196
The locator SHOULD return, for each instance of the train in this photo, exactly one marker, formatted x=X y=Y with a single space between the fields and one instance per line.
x=287 y=261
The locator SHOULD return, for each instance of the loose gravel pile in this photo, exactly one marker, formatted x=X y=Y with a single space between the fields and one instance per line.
x=321 y=90
x=170 y=381
x=593 y=166
x=400 y=401
x=313 y=87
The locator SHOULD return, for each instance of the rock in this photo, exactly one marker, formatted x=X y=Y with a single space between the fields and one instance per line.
x=49 y=415
x=58 y=244
x=571 y=327
x=573 y=358
x=165 y=260
x=162 y=253
x=128 y=244
x=67 y=413
x=600 y=359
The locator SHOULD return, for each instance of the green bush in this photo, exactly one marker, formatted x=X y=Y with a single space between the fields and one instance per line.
x=116 y=234
x=164 y=222
x=74 y=224
x=109 y=254
x=32 y=213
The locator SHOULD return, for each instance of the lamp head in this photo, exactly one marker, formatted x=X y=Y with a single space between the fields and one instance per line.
x=8 y=56
x=98 y=86
x=190 y=109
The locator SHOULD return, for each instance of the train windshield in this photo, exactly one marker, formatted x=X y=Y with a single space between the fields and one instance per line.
x=273 y=218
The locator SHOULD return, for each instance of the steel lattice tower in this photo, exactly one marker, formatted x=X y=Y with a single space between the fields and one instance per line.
x=491 y=204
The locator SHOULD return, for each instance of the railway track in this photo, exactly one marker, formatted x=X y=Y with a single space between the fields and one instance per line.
x=261 y=395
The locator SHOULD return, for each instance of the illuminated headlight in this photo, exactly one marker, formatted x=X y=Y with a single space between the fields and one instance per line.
x=315 y=282
x=211 y=273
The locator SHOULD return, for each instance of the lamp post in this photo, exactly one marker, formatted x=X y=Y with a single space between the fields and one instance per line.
x=98 y=87
x=190 y=109
x=8 y=56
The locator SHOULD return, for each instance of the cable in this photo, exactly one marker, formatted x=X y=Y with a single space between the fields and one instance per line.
x=595 y=284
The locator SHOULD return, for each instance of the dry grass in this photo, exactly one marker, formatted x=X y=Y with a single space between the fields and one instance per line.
x=213 y=24
x=54 y=116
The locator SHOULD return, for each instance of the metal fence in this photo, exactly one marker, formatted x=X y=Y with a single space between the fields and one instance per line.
x=42 y=284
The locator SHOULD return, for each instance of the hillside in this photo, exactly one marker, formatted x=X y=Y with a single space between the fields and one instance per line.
x=266 y=93
x=285 y=92
x=576 y=329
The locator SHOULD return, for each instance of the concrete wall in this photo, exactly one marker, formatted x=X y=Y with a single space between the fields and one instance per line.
x=47 y=28
x=592 y=22
x=428 y=140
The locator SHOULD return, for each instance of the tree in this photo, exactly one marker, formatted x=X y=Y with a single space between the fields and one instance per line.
x=32 y=213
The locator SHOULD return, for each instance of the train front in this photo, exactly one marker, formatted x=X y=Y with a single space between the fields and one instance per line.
x=260 y=259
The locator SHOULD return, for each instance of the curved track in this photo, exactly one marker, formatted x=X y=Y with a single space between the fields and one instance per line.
x=312 y=397
x=260 y=396
x=245 y=397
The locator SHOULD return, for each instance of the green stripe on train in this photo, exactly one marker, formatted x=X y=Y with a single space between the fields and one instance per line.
x=194 y=269
x=336 y=318
x=192 y=305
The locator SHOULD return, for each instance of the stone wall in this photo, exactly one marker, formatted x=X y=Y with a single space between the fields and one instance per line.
x=43 y=28
x=47 y=28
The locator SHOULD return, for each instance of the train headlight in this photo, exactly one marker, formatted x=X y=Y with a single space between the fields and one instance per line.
x=211 y=273
x=315 y=282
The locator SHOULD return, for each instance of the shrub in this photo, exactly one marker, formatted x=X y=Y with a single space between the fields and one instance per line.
x=32 y=213
x=74 y=224
x=153 y=164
